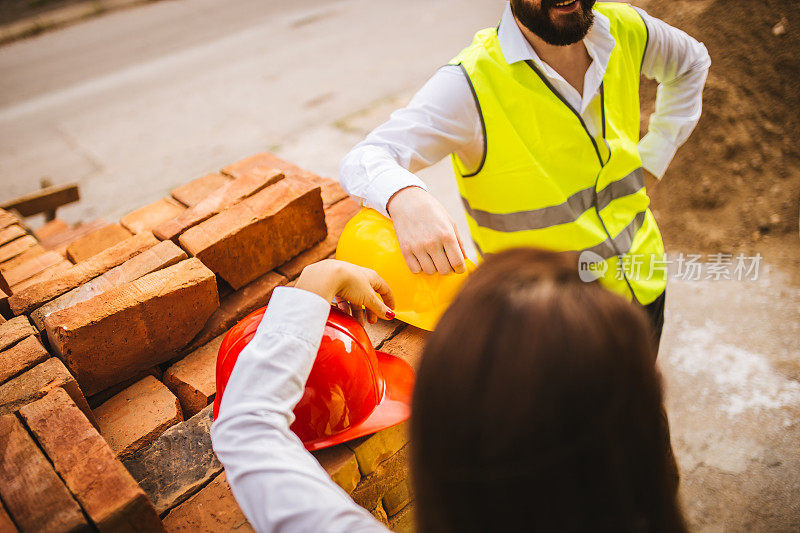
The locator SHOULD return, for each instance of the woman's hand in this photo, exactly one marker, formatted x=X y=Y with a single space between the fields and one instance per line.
x=361 y=287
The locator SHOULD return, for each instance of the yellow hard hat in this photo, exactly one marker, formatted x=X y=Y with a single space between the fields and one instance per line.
x=368 y=240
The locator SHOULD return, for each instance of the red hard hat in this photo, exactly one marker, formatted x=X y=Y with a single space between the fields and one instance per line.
x=352 y=390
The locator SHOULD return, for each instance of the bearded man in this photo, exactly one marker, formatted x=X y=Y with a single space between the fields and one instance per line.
x=540 y=116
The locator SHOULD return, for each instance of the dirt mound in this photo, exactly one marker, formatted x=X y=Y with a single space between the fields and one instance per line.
x=735 y=185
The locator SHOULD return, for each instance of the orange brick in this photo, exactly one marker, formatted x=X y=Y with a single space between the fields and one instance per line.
x=263 y=162
x=15 y=330
x=10 y=233
x=96 y=241
x=229 y=194
x=332 y=192
x=60 y=240
x=404 y=521
x=372 y=450
x=236 y=306
x=407 y=345
x=16 y=247
x=214 y=508
x=38 y=381
x=98 y=399
x=160 y=256
x=178 y=464
x=31 y=253
x=159 y=313
x=34 y=494
x=193 y=378
x=4 y=309
x=148 y=217
x=381 y=331
x=260 y=233
x=105 y=490
x=6 y=219
x=380 y=514
x=48 y=273
x=32 y=297
x=135 y=417
x=18 y=358
x=397 y=497
x=6 y=525
x=51 y=228
x=371 y=489
x=340 y=463
x=336 y=217
x=30 y=268
x=196 y=190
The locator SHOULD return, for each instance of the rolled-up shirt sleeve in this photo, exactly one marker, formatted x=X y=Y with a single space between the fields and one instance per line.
x=277 y=483
x=440 y=119
x=680 y=64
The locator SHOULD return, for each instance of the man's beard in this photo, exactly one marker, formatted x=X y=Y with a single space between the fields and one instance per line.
x=569 y=29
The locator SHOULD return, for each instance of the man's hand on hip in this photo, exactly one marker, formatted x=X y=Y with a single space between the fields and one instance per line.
x=427 y=235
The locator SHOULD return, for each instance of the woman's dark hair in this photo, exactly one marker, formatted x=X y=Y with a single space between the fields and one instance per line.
x=538 y=407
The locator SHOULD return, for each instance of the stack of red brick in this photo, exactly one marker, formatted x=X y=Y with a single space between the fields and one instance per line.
x=126 y=319
x=187 y=484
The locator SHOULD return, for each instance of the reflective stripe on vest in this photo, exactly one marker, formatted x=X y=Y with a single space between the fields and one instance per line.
x=545 y=180
x=568 y=211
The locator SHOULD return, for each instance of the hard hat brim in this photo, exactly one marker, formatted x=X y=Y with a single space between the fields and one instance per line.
x=394 y=408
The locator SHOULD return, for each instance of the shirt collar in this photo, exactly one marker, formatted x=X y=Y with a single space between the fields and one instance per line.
x=515 y=47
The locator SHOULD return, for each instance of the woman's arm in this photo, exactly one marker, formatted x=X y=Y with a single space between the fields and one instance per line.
x=278 y=484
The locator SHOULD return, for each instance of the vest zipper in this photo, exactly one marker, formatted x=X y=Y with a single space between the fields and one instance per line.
x=597 y=180
x=597 y=151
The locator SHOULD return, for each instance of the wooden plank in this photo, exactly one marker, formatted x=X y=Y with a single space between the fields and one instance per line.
x=44 y=200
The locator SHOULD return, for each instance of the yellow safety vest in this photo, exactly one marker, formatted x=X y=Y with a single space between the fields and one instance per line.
x=545 y=181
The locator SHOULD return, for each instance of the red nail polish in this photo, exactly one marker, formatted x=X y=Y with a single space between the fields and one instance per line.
x=390 y=314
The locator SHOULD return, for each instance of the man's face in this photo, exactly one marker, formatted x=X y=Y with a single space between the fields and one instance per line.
x=556 y=22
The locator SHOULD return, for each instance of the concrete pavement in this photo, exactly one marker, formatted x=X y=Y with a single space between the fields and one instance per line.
x=730 y=356
x=133 y=103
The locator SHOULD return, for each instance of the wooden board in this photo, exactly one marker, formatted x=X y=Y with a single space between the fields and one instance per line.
x=43 y=200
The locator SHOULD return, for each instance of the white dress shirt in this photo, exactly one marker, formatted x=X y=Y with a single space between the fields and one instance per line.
x=277 y=483
x=442 y=117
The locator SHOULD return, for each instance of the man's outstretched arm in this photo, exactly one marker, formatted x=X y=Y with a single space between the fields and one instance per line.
x=441 y=119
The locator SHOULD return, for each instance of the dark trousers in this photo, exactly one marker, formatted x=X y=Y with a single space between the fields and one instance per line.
x=655 y=310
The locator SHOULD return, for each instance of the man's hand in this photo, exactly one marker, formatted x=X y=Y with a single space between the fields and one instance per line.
x=427 y=235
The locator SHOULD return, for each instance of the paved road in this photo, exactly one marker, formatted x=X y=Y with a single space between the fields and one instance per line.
x=134 y=103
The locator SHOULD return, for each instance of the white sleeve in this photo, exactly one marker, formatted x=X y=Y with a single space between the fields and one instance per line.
x=680 y=64
x=277 y=483
x=440 y=119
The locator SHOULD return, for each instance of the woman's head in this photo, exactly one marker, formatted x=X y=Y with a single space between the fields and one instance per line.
x=538 y=404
